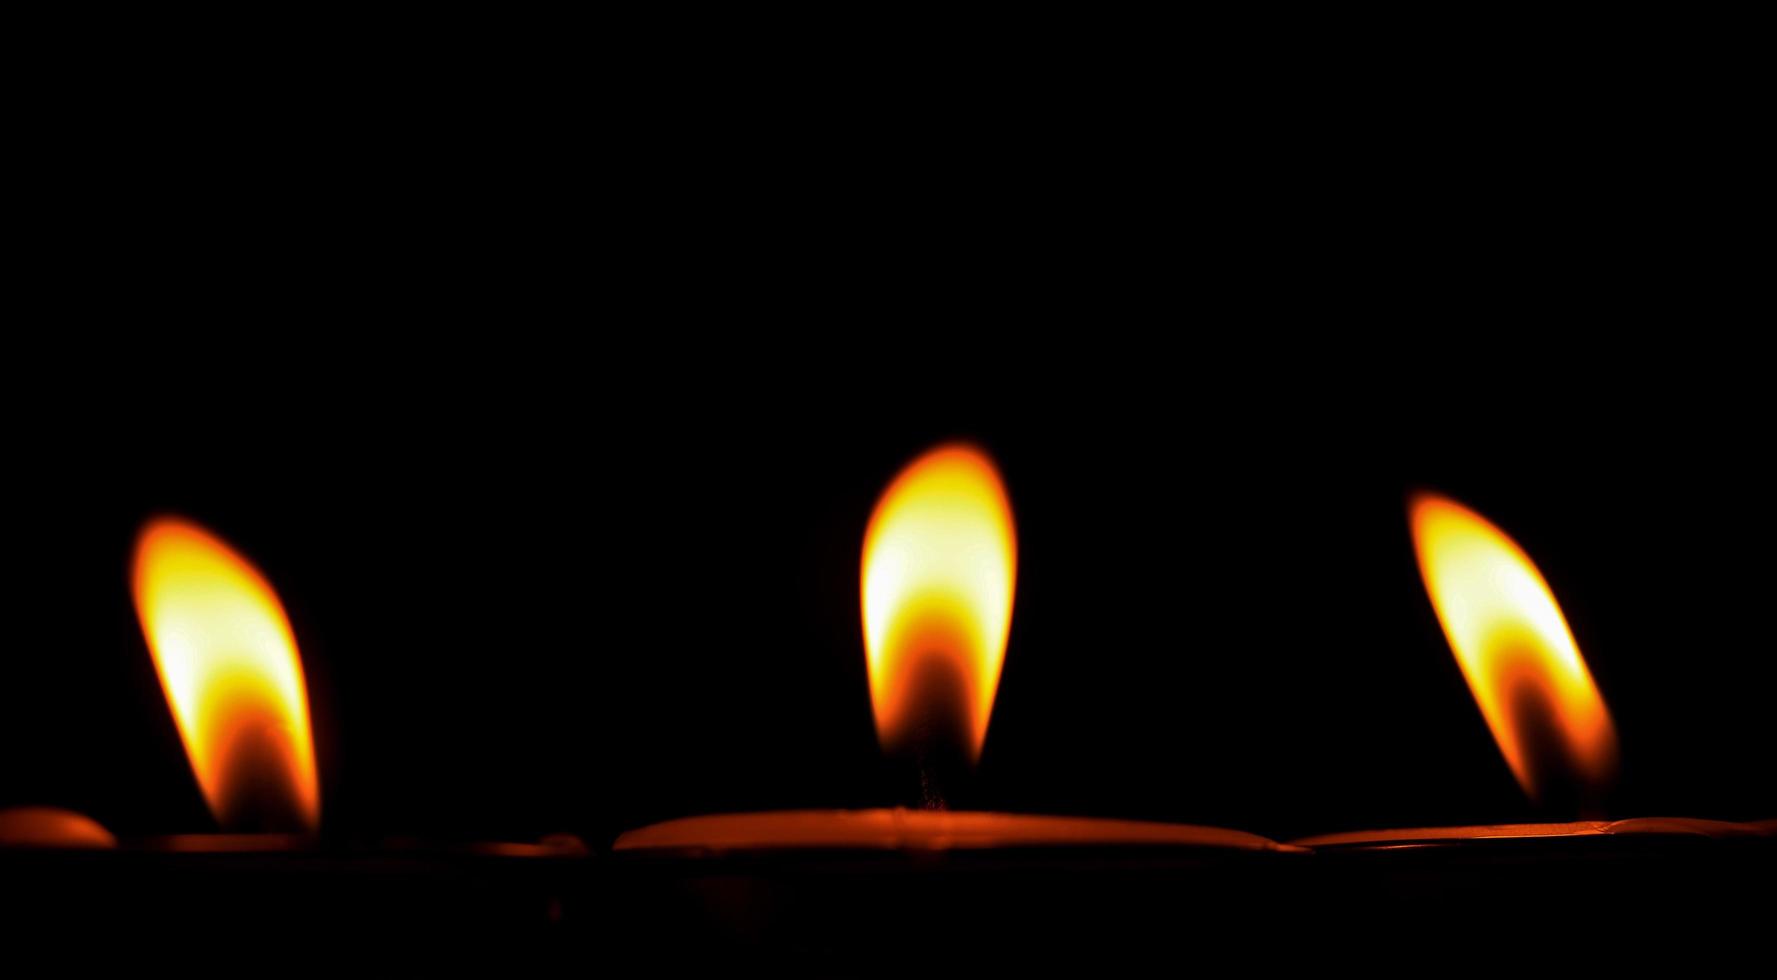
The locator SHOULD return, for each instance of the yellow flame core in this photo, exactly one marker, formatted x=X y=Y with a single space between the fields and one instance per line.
x=939 y=569
x=228 y=662
x=1514 y=648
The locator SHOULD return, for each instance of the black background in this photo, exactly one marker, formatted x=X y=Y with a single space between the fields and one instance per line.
x=557 y=422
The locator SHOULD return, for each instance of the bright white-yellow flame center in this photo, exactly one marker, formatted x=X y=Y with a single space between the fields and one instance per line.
x=939 y=569
x=228 y=662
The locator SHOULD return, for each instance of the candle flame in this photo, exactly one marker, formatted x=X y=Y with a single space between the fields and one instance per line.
x=939 y=569
x=1516 y=651
x=227 y=660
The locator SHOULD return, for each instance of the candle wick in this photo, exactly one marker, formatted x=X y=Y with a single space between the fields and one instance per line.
x=931 y=794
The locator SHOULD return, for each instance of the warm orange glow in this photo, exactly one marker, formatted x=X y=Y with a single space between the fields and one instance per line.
x=924 y=830
x=51 y=827
x=940 y=564
x=227 y=660
x=1516 y=651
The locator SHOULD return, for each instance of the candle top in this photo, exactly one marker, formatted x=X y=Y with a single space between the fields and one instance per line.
x=933 y=830
x=1685 y=826
x=51 y=827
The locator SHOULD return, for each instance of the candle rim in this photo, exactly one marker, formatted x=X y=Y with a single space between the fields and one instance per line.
x=899 y=829
x=1630 y=827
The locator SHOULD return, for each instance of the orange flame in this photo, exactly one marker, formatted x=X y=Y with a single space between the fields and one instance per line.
x=939 y=569
x=1515 y=649
x=227 y=660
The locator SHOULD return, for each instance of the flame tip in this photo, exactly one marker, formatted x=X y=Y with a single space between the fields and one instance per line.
x=1420 y=494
